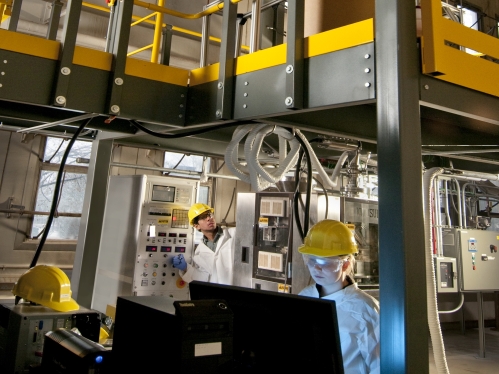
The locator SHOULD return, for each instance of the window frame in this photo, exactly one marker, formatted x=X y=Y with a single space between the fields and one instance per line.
x=50 y=244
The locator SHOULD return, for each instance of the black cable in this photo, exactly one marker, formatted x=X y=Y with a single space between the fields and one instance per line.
x=60 y=145
x=325 y=195
x=55 y=199
x=230 y=205
x=188 y=133
x=306 y=219
x=297 y=195
x=178 y=163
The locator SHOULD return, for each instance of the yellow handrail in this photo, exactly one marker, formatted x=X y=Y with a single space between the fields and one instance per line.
x=157 y=34
x=212 y=9
x=143 y=19
x=174 y=28
x=139 y=50
x=5 y=9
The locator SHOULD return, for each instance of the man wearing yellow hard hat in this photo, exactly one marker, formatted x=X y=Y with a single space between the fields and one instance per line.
x=328 y=252
x=214 y=257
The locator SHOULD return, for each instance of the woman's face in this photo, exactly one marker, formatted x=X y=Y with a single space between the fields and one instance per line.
x=325 y=271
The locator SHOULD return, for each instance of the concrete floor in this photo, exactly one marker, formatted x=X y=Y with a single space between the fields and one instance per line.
x=463 y=352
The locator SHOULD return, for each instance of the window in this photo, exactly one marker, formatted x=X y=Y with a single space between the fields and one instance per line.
x=181 y=161
x=72 y=189
x=470 y=19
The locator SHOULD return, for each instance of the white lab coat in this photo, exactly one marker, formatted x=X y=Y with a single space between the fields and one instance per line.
x=213 y=267
x=358 y=323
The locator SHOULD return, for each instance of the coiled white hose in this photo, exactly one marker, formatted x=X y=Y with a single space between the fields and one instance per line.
x=253 y=172
x=431 y=298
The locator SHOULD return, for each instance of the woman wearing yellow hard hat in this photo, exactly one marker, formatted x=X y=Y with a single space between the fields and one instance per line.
x=328 y=252
x=213 y=258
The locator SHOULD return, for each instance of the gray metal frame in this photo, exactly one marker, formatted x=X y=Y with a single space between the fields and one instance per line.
x=295 y=54
x=404 y=343
x=226 y=72
x=92 y=217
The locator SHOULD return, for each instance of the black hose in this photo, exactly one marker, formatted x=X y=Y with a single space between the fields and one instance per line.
x=57 y=188
x=188 y=133
x=325 y=195
x=297 y=196
x=306 y=219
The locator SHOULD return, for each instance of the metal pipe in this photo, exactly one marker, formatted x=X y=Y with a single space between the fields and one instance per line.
x=60 y=122
x=20 y=267
x=463 y=201
x=447 y=214
x=109 y=28
x=265 y=6
x=255 y=25
x=438 y=216
x=169 y=170
x=139 y=50
x=481 y=333
x=459 y=206
x=174 y=28
x=143 y=19
x=205 y=41
x=34 y=212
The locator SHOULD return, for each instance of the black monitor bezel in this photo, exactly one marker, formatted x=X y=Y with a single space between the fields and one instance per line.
x=278 y=331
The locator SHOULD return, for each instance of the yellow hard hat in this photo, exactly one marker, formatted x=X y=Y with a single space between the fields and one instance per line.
x=329 y=238
x=198 y=209
x=48 y=286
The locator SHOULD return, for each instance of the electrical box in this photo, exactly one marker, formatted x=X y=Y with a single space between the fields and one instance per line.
x=23 y=328
x=479 y=259
x=446 y=274
x=266 y=255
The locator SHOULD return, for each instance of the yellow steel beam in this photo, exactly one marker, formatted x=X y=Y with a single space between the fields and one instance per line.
x=92 y=58
x=29 y=45
x=157 y=72
x=325 y=42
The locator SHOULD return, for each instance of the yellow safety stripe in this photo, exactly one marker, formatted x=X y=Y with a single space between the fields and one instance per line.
x=157 y=72
x=92 y=58
x=325 y=42
x=29 y=45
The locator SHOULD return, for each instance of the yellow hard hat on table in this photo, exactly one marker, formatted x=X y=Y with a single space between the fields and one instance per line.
x=48 y=286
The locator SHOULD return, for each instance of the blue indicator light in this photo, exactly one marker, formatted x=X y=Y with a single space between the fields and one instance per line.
x=98 y=359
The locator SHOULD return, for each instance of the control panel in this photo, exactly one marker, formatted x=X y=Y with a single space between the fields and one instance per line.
x=145 y=226
x=164 y=233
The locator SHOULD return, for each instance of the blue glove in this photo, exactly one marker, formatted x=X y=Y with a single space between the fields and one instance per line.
x=179 y=262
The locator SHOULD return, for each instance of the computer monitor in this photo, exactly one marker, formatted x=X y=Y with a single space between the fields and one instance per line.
x=277 y=331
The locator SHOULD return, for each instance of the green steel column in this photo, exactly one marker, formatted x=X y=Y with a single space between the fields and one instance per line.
x=404 y=325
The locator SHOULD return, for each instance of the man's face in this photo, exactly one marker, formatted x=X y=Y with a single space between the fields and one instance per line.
x=206 y=222
x=325 y=271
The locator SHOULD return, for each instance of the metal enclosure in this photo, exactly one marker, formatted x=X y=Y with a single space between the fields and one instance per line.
x=364 y=215
x=145 y=226
x=446 y=274
x=23 y=328
x=477 y=258
x=267 y=238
